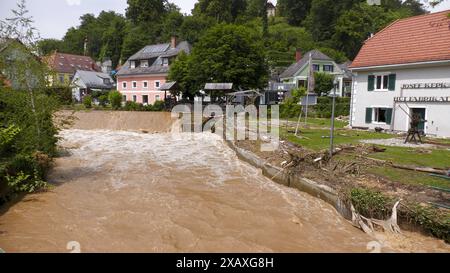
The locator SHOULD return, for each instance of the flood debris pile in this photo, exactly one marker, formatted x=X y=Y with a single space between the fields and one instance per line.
x=347 y=173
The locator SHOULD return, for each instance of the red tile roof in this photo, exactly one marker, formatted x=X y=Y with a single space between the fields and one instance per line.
x=68 y=63
x=416 y=39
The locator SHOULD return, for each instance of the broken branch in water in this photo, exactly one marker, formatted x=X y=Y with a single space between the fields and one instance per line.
x=367 y=225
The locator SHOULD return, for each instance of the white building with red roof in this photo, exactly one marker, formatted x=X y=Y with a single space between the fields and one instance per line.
x=402 y=71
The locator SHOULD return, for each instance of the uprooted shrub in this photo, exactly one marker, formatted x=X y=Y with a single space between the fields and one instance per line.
x=376 y=205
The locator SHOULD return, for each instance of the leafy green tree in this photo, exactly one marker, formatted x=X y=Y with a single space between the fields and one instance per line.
x=295 y=11
x=28 y=108
x=105 y=35
x=146 y=11
x=321 y=19
x=171 y=25
x=230 y=53
x=255 y=7
x=290 y=107
x=137 y=37
x=338 y=56
x=355 y=26
x=112 y=39
x=283 y=42
x=223 y=11
x=87 y=101
x=194 y=27
x=47 y=46
x=323 y=83
x=115 y=98
x=180 y=72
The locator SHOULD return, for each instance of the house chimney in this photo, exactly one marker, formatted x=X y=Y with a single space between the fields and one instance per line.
x=173 y=42
x=298 y=55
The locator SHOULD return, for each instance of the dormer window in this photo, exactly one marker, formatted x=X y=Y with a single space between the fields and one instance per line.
x=165 y=61
x=144 y=63
x=133 y=64
x=106 y=81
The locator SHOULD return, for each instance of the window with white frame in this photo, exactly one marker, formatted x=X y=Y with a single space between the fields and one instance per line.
x=144 y=63
x=328 y=68
x=165 y=61
x=134 y=98
x=134 y=85
x=379 y=115
x=145 y=84
x=382 y=82
x=157 y=84
x=133 y=64
x=157 y=98
x=124 y=85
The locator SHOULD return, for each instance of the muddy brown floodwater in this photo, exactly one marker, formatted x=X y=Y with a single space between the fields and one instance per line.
x=118 y=191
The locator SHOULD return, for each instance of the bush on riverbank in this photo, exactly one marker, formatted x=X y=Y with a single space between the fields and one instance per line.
x=321 y=110
x=27 y=140
x=159 y=106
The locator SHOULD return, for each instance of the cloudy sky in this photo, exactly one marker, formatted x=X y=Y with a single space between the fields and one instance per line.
x=54 y=17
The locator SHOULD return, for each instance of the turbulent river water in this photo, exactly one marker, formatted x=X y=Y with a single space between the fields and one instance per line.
x=118 y=191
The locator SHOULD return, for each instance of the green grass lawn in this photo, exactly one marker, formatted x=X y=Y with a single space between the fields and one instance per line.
x=320 y=122
x=318 y=139
x=438 y=158
x=409 y=177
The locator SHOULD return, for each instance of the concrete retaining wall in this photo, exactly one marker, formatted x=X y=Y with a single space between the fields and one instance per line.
x=283 y=177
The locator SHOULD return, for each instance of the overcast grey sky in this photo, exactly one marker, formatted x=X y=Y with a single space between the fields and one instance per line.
x=54 y=17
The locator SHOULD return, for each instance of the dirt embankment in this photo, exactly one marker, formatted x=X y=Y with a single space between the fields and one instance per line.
x=344 y=175
x=148 y=122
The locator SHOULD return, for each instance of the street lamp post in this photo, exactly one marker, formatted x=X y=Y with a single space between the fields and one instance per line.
x=336 y=85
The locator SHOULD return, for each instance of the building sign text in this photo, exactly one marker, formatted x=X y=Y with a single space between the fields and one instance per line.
x=422 y=99
x=426 y=85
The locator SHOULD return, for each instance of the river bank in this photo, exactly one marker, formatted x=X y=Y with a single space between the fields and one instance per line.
x=342 y=182
x=143 y=191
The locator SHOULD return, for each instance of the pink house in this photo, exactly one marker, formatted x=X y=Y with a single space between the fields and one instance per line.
x=141 y=77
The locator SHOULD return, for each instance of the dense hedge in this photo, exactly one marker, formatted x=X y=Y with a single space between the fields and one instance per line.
x=321 y=110
x=27 y=140
x=62 y=94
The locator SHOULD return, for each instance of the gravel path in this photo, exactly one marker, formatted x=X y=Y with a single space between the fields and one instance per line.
x=398 y=142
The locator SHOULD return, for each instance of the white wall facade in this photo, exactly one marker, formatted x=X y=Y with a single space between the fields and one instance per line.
x=419 y=96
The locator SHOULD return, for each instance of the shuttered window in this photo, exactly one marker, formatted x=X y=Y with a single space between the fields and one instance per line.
x=371 y=83
x=369 y=115
x=379 y=115
x=382 y=82
x=389 y=116
x=392 y=80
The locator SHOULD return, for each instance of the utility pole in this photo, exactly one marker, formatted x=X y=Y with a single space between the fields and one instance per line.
x=336 y=84
x=310 y=83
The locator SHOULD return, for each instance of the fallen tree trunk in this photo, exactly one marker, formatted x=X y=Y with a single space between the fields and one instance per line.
x=409 y=168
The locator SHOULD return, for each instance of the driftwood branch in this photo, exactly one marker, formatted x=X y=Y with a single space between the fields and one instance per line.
x=368 y=225
x=409 y=168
